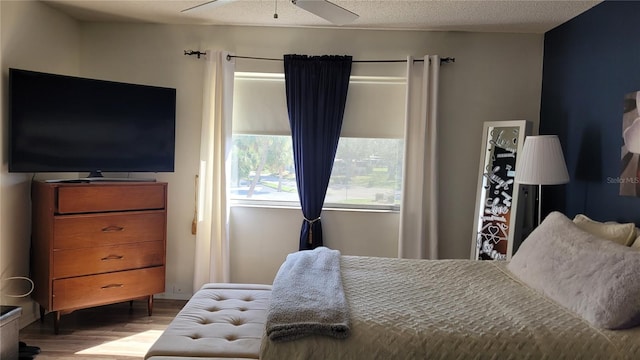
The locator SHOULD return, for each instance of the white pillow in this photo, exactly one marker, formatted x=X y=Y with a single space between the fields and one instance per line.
x=595 y=278
x=623 y=234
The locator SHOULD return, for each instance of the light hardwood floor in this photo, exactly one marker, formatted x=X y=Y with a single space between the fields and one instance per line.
x=117 y=332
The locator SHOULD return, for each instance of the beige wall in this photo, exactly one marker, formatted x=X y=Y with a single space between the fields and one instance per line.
x=34 y=37
x=495 y=77
x=262 y=237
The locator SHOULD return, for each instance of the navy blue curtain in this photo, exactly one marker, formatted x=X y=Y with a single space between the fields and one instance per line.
x=316 y=88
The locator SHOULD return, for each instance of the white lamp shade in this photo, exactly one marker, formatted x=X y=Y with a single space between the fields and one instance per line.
x=541 y=162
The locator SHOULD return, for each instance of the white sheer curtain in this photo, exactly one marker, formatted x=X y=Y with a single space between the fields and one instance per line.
x=418 y=237
x=212 y=237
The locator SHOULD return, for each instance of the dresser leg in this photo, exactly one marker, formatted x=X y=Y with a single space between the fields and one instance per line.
x=56 y=322
x=150 y=304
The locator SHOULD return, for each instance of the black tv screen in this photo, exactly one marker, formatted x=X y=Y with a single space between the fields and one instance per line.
x=60 y=123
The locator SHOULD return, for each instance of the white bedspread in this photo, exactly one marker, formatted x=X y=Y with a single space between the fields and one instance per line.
x=453 y=309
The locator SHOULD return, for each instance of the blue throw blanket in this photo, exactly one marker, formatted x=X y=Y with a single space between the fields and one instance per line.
x=307 y=297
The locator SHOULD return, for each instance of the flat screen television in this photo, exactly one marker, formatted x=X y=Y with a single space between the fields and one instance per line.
x=60 y=123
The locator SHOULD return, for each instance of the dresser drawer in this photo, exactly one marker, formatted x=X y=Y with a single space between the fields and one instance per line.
x=94 y=290
x=90 y=230
x=103 y=259
x=100 y=198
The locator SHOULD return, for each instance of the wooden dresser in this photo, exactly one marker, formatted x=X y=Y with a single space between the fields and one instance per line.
x=97 y=243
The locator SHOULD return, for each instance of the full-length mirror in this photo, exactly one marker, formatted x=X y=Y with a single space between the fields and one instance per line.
x=497 y=201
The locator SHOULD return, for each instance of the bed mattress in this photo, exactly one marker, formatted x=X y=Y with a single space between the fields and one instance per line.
x=419 y=309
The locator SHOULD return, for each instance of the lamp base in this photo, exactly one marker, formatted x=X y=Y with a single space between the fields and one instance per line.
x=539 y=205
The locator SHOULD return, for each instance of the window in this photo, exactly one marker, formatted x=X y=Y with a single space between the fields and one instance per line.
x=367 y=170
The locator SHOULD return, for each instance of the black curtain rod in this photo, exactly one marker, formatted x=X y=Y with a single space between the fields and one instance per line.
x=229 y=57
x=442 y=60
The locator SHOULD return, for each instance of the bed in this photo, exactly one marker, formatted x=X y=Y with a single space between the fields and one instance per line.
x=566 y=294
x=416 y=309
x=411 y=309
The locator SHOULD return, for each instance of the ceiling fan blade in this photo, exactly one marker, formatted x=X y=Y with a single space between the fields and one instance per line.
x=327 y=10
x=209 y=4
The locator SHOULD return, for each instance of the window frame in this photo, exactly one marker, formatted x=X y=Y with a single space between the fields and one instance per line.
x=394 y=207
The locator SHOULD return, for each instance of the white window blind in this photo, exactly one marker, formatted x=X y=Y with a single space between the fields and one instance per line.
x=375 y=106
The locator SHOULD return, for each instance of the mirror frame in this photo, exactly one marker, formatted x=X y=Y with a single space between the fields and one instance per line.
x=496 y=217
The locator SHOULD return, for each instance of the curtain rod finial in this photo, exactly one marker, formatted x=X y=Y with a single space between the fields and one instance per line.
x=197 y=53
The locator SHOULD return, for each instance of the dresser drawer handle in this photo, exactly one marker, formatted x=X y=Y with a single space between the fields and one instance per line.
x=111 y=228
x=112 y=286
x=112 y=257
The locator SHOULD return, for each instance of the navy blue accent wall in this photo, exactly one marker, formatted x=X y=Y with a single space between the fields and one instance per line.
x=590 y=63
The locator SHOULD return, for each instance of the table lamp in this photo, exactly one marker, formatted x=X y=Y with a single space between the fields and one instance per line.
x=541 y=163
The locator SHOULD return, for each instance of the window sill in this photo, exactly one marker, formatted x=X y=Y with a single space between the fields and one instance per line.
x=275 y=205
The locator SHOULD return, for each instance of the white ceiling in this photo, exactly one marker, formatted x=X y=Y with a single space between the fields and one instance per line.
x=439 y=15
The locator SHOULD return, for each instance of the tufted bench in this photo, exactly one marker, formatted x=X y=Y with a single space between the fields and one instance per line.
x=220 y=321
